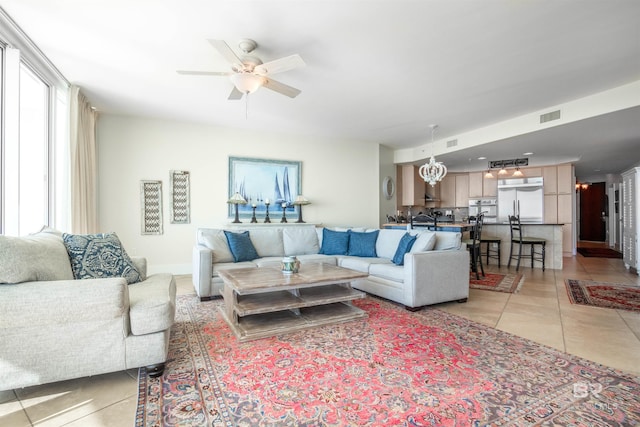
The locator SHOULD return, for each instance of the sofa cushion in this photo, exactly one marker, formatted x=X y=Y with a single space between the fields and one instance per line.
x=406 y=242
x=388 y=271
x=215 y=240
x=334 y=242
x=241 y=246
x=363 y=244
x=426 y=241
x=317 y=258
x=267 y=241
x=447 y=240
x=387 y=242
x=38 y=257
x=300 y=241
x=96 y=256
x=360 y=264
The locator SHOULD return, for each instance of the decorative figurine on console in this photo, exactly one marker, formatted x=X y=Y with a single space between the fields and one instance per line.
x=284 y=212
x=253 y=215
x=266 y=218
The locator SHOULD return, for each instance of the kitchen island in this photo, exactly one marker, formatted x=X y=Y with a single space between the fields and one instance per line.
x=552 y=233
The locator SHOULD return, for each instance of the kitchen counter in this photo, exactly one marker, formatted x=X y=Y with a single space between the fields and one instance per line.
x=441 y=226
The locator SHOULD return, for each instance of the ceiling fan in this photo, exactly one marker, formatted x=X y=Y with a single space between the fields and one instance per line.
x=248 y=73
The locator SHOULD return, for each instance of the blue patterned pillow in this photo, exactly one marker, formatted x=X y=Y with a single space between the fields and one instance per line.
x=334 y=242
x=404 y=246
x=97 y=256
x=241 y=246
x=363 y=244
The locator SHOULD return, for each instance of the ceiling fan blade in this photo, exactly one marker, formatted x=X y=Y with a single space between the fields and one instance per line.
x=204 y=73
x=282 y=88
x=280 y=65
x=224 y=49
x=235 y=94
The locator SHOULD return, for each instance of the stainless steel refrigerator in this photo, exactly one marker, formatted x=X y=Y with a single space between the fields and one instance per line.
x=523 y=197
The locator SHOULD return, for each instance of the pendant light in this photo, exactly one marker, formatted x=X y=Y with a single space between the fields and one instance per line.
x=433 y=171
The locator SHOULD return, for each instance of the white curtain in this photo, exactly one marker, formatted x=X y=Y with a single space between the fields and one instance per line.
x=84 y=173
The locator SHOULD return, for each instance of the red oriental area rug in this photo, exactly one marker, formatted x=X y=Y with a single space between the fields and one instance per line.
x=601 y=294
x=394 y=368
x=497 y=282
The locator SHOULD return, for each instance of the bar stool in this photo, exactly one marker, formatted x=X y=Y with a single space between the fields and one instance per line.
x=473 y=245
x=491 y=253
x=520 y=240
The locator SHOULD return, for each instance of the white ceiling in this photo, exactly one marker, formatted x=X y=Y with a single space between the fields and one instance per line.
x=378 y=71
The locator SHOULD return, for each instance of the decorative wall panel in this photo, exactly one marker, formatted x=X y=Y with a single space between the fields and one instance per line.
x=180 y=203
x=151 y=201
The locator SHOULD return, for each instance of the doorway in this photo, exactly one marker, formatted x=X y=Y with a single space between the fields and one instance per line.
x=593 y=213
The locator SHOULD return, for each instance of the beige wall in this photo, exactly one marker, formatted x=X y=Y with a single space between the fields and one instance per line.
x=341 y=178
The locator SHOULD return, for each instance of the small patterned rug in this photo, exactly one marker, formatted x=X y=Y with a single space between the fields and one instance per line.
x=601 y=294
x=497 y=282
x=394 y=368
x=599 y=253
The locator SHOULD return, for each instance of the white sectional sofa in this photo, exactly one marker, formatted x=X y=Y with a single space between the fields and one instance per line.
x=435 y=270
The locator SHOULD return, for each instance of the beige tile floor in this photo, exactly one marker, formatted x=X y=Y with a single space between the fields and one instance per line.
x=540 y=311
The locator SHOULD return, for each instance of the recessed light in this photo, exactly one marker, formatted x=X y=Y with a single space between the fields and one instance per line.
x=482 y=158
x=528 y=153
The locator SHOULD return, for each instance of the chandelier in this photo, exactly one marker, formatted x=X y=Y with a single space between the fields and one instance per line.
x=433 y=171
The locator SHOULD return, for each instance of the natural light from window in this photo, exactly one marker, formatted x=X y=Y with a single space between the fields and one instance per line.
x=33 y=191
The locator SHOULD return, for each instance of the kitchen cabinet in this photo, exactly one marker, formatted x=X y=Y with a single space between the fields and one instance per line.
x=448 y=191
x=462 y=190
x=630 y=217
x=475 y=184
x=550 y=176
x=413 y=186
x=489 y=186
x=565 y=208
x=481 y=186
x=550 y=209
x=566 y=183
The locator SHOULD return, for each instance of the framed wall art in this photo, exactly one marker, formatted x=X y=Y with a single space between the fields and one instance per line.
x=151 y=206
x=262 y=181
x=180 y=203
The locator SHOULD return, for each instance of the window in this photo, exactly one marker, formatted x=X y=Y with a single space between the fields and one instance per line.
x=33 y=167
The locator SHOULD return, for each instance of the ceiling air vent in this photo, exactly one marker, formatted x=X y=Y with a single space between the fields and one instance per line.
x=452 y=143
x=554 y=115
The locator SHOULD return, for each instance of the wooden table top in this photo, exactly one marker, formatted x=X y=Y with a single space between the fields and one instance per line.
x=271 y=278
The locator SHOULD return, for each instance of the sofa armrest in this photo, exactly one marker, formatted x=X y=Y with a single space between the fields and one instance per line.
x=436 y=276
x=202 y=270
x=45 y=303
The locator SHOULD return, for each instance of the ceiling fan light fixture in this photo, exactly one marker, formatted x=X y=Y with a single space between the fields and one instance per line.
x=246 y=83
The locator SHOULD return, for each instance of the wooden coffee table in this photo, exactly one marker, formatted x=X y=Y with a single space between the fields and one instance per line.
x=262 y=302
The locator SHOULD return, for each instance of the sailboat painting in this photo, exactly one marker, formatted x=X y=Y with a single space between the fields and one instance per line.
x=262 y=181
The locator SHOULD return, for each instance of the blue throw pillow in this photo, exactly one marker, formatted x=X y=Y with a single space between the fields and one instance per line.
x=241 y=246
x=96 y=256
x=363 y=244
x=334 y=242
x=404 y=246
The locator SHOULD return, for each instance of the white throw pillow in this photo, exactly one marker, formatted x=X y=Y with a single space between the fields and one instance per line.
x=40 y=256
x=267 y=241
x=215 y=240
x=387 y=242
x=426 y=241
x=300 y=241
x=447 y=240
